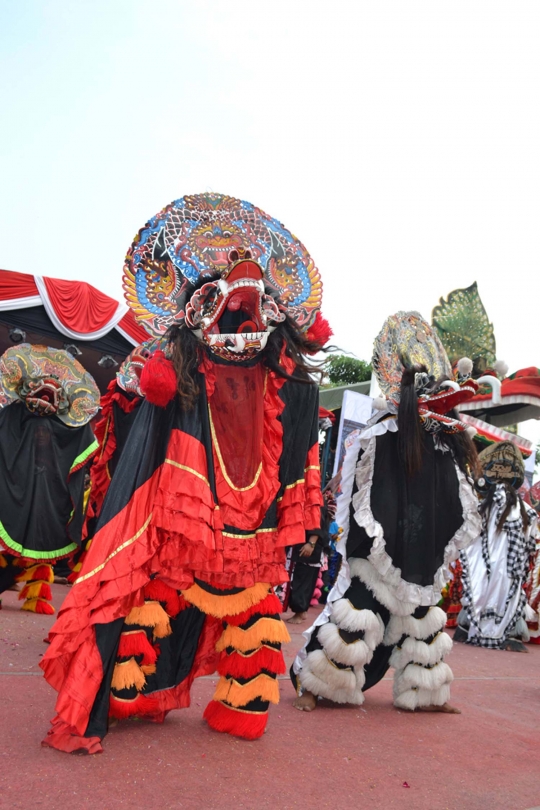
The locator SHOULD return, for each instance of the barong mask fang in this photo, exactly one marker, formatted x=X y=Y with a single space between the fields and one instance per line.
x=50 y=382
x=234 y=316
x=203 y=235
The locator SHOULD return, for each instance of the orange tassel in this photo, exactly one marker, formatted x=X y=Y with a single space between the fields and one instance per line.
x=151 y=614
x=39 y=571
x=157 y=590
x=135 y=642
x=269 y=606
x=237 y=665
x=148 y=669
x=126 y=675
x=264 y=629
x=33 y=590
x=139 y=706
x=220 y=606
x=262 y=686
x=38 y=606
x=3 y=561
x=240 y=723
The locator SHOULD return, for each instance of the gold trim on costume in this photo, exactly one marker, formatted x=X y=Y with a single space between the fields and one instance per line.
x=187 y=469
x=116 y=551
x=247 y=536
x=222 y=463
x=292 y=486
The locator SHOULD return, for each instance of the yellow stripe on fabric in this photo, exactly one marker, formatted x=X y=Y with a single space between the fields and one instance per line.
x=296 y=483
x=222 y=463
x=187 y=469
x=247 y=536
x=116 y=551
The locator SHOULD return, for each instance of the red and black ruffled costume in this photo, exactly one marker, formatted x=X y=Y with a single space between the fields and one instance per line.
x=178 y=579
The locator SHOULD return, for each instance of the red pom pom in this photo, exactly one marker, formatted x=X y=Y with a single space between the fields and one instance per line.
x=321 y=331
x=158 y=380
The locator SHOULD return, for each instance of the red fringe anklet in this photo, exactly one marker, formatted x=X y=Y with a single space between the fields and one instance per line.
x=238 y=722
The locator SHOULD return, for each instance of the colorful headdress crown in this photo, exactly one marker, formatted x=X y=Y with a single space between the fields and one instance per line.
x=204 y=235
x=406 y=340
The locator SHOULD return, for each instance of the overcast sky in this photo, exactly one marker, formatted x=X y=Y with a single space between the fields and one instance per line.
x=400 y=141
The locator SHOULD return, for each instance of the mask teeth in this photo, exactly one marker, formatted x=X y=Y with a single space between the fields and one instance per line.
x=248 y=282
x=239 y=340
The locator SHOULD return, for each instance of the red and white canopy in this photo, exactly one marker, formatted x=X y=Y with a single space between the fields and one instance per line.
x=77 y=309
x=519 y=400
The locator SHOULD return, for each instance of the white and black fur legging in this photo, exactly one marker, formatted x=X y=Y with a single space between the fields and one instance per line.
x=368 y=630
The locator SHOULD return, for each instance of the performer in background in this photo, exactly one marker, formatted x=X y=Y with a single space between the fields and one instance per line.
x=407 y=508
x=219 y=471
x=47 y=400
x=306 y=563
x=497 y=565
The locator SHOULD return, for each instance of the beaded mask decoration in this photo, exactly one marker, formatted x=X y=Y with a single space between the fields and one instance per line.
x=50 y=382
x=238 y=248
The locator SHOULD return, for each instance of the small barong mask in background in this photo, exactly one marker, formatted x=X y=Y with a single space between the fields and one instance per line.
x=50 y=382
x=406 y=340
x=502 y=463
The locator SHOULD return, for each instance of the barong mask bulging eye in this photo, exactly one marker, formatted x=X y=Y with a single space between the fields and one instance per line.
x=233 y=315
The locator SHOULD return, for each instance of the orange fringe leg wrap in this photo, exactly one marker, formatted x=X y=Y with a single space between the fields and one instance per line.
x=137 y=657
x=37 y=591
x=160 y=592
x=251 y=659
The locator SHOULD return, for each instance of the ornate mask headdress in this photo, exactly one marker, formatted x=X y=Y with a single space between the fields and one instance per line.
x=407 y=340
x=50 y=382
x=244 y=253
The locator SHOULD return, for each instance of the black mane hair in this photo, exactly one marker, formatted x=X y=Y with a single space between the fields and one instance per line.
x=411 y=436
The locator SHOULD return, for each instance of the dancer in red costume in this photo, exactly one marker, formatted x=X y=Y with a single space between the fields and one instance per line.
x=218 y=473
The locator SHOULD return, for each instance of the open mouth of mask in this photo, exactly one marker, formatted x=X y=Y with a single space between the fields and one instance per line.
x=234 y=316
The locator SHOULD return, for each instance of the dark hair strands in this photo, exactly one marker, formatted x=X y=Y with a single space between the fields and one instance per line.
x=512 y=498
x=187 y=352
x=411 y=435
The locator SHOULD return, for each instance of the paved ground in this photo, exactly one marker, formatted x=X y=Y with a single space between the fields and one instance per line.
x=487 y=758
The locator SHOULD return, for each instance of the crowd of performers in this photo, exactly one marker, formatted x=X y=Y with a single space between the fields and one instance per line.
x=205 y=492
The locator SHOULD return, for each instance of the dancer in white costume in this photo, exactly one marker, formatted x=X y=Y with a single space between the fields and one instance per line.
x=497 y=564
x=407 y=508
